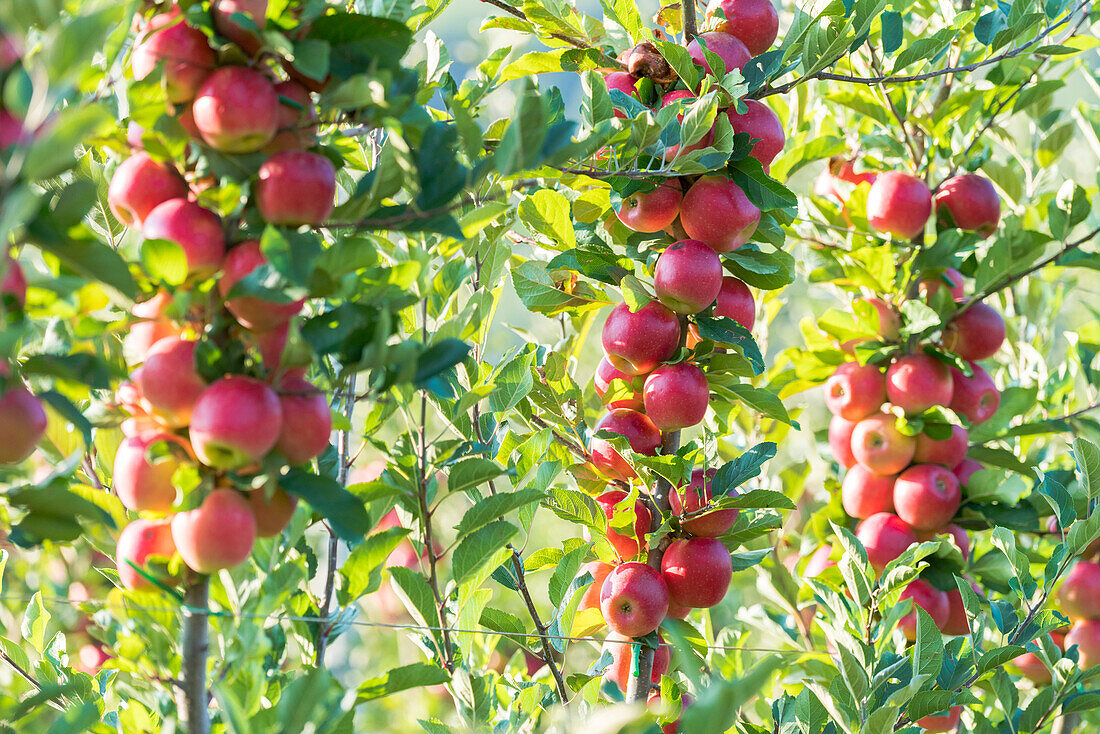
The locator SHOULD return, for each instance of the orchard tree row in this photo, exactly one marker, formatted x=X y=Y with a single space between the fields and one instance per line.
x=744 y=381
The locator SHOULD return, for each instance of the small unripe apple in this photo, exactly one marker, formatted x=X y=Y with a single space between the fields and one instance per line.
x=651 y=211
x=716 y=211
x=975 y=334
x=599 y=570
x=928 y=598
x=941 y=724
x=296 y=187
x=196 y=230
x=697 y=571
x=729 y=48
x=917 y=382
x=735 y=301
x=142 y=485
x=637 y=342
x=1085 y=633
x=865 y=493
x=676 y=396
x=217 y=534
x=946 y=452
x=626 y=546
x=975 y=398
x=137 y=541
x=927 y=496
x=898 y=204
x=307 y=420
x=763 y=125
x=625 y=83
x=601 y=380
x=840 y=441
x=247 y=39
x=880 y=446
x=622 y=661
x=236 y=110
x=969 y=202
x=704 y=142
x=634 y=599
x=186 y=54
x=274 y=514
x=966 y=469
x=855 y=391
x=170 y=381
x=253 y=312
x=688 y=276
x=139 y=184
x=1079 y=595
x=950 y=277
x=22 y=424
x=235 y=422
x=754 y=22
x=694 y=497
x=643 y=436
x=885 y=536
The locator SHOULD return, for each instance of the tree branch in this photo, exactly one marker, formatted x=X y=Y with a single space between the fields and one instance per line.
x=195 y=646
x=547 y=650
x=691 y=26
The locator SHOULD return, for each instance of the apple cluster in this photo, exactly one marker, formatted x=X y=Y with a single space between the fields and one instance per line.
x=236 y=429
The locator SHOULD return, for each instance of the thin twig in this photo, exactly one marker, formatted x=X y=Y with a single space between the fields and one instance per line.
x=547 y=650
x=27 y=677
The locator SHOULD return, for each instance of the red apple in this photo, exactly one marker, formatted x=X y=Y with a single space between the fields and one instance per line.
x=717 y=212
x=840 y=441
x=218 y=534
x=958 y=534
x=626 y=546
x=927 y=496
x=625 y=83
x=688 y=276
x=855 y=391
x=643 y=436
x=196 y=230
x=274 y=514
x=763 y=125
x=946 y=452
x=651 y=211
x=186 y=54
x=91 y=658
x=697 y=571
x=818 y=562
x=1085 y=633
x=968 y=202
x=634 y=599
x=622 y=661
x=14 y=282
x=957 y=622
x=694 y=497
x=235 y=422
x=928 y=598
x=966 y=469
x=170 y=382
x=599 y=570
x=950 y=277
x=11 y=51
x=880 y=446
x=1032 y=667
x=605 y=373
x=253 y=312
x=977 y=333
x=898 y=204
x=150 y=326
x=236 y=110
x=22 y=424
x=676 y=396
x=1079 y=596
x=735 y=302
x=247 y=39
x=917 y=382
x=704 y=142
x=297 y=123
x=865 y=493
x=295 y=188
x=729 y=48
x=940 y=724
x=637 y=342
x=137 y=541
x=885 y=536
x=754 y=22
x=307 y=420
x=975 y=398
x=142 y=485
x=844 y=171
x=889 y=323
x=139 y=185
x=11 y=130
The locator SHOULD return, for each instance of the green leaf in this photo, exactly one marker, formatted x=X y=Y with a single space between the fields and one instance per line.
x=164 y=262
x=440 y=357
x=85 y=256
x=494 y=507
x=997 y=657
x=577 y=507
x=762 y=190
x=726 y=331
x=767 y=271
x=417 y=594
x=540 y=295
x=565 y=573
x=471 y=473
x=762 y=401
x=344 y=511
x=35 y=621
x=363 y=568
x=893 y=32
x=1087 y=456
x=928 y=652
x=548 y=213
x=746 y=466
x=478 y=547
x=401 y=679
x=81 y=368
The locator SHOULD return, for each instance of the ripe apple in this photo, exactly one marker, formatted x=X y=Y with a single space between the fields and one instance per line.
x=14 y=282
x=249 y=40
x=170 y=382
x=898 y=204
x=297 y=123
x=622 y=661
x=946 y=452
x=236 y=110
x=763 y=125
x=958 y=534
x=688 y=276
x=217 y=534
x=296 y=187
x=235 y=422
x=975 y=398
x=703 y=142
x=599 y=570
x=1085 y=633
x=1033 y=668
x=885 y=536
x=137 y=541
x=940 y=724
x=694 y=497
x=626 y=546
x=968 y=202
x=253 y=312
x=717 y=212
x=22 y=424
x=880 y=446
x=307 y=420
x=637 y=342
x=11 y=130
x=889 y=323
x=139 y=185
x=818 y=562
x=950 y=277
x=90 y=658
x=676 y=396
x=625 y=83
x=697 y=571
x=11 y=51
x=151 y=324
x=844 y=171
x=142 y=485
x=274 y=514
x=855 y=391
x=196 y=230
x=1079 y=596
x=916 y=382
x=957 y=622
x=927 y=496
x=975 y=334
x=865 y=493
x=735 y=302
x=187 y=56
x=840 y=441
x=729 y=48
x=634 y=599
x=651 y=211
x=601 y=380
x=928 y=598
x=966 y=469
x=754 y=22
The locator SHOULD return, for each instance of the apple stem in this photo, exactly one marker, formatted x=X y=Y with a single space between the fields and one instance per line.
x=195 y=647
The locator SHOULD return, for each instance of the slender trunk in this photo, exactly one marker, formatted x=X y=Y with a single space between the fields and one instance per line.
x=195 y=714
